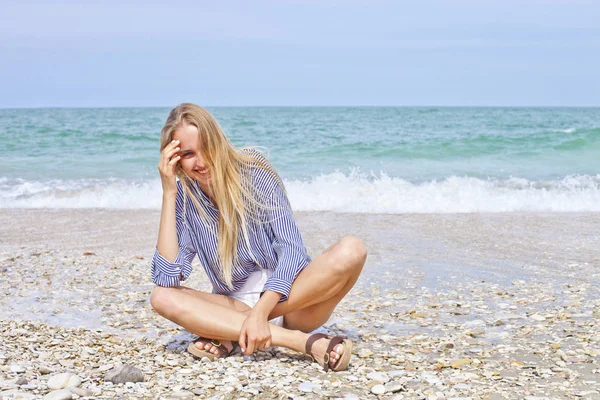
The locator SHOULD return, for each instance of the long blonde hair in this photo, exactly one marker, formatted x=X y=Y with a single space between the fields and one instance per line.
x=233 y=193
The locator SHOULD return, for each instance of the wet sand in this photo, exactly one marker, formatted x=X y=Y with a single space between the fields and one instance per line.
x=480 y=306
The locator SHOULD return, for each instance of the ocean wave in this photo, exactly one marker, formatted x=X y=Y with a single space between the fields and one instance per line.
x=353 y=192
x=81 y=193
x=359 y=193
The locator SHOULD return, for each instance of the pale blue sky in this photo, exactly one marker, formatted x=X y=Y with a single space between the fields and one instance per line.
x=148 y=53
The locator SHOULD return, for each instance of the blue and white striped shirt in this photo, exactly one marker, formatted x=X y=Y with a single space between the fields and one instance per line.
x=276 y=245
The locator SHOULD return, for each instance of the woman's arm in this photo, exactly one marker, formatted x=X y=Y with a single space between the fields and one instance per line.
x=255 y=333
x=174 y=251
x=291 y=259
x=167 y=244
x=172 y=267
x=266 y=304
x=167 y=232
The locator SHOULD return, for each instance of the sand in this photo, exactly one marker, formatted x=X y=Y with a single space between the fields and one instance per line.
x=479 y=306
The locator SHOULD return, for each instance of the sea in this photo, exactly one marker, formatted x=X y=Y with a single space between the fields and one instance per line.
x=343 y=159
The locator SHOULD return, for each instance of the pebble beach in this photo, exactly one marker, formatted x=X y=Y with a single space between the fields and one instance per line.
x=449 y=306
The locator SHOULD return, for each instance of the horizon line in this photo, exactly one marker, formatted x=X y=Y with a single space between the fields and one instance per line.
x=308 y=106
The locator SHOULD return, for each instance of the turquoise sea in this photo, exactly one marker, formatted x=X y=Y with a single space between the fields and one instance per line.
x=367 y=159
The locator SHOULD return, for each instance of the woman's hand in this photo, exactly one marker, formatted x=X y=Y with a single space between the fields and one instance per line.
x=166 y=167
x=255 y=333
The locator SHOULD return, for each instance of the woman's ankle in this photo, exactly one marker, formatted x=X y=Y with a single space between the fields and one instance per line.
x=291 y=339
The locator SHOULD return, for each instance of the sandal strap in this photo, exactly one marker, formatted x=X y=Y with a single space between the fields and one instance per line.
x=222 y=350
x=332 y=343
x=312 y=339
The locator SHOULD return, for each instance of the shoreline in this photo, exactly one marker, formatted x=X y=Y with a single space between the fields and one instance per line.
x=481 y=306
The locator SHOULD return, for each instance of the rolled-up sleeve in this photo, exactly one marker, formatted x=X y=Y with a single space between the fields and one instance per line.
x=170 y=274
x=292 y=256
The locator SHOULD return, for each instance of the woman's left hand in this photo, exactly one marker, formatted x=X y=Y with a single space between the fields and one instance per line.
x=255 y=333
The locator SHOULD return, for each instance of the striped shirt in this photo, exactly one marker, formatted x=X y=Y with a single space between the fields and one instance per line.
x=276 y=244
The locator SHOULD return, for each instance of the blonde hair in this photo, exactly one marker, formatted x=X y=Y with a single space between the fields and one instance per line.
x=236 y=198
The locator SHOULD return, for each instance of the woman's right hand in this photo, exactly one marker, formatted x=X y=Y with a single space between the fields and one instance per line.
x=166 y=167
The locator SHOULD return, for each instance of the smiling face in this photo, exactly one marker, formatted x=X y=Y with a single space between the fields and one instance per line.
x=192 y=161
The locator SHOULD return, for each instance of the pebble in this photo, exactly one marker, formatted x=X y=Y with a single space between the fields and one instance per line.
x=459 y=363
x=29 y=386
x=16 y=395
x=365 y=353
x=62 y=394
x=306 y=387
x=537 y=317
x=182 y=395
x=495 y=396
x=461 y=386
x=124 y=373
x=107 y=367
x=458 y=349
x=21 y=381
x=396 y=373
x=394 y=387
x=378 y=389
x=378 y=376
x=45 y=370
x=445 y=346
x=64 y=380
x=83 y=392
x=17 y=369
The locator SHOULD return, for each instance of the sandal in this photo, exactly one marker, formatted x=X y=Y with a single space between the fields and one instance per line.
x=201 y=353
x=344 y=360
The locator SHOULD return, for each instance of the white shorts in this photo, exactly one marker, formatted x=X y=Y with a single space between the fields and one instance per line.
x=250 y=292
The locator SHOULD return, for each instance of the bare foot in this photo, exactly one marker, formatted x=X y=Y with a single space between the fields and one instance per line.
x=210 y=347
x=320 y=347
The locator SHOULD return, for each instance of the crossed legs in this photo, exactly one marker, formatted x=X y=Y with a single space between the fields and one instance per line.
x=314 y=295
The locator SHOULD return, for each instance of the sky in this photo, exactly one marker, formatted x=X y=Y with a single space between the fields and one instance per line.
x=299 y=53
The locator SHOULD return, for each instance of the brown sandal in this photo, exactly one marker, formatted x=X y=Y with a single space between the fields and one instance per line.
x=200 y=353
x=344 y=360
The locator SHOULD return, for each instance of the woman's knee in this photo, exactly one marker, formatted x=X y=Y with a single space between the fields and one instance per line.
x=161 y=300
x=353 y=251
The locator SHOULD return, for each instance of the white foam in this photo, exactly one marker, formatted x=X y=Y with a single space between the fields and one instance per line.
x=108 y=193
x=353 y=192
x=384 y=194
x=568 y=130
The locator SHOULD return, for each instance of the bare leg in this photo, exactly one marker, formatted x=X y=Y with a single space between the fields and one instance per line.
x=322 y=285
x=315 y=293
x=219 y=321
x=216 y=299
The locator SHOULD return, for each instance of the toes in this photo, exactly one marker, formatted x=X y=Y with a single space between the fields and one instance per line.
x=211 y=348
x=206 y=346
x=335 y=354
x=333 y=357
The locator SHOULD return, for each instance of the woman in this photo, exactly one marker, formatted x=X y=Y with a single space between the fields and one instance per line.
x=230 y=209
